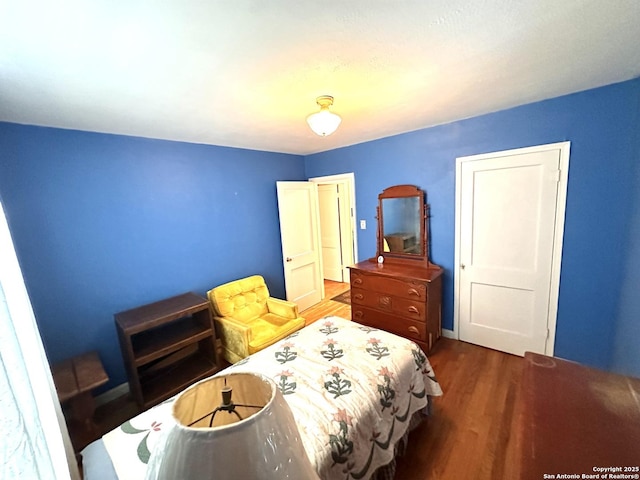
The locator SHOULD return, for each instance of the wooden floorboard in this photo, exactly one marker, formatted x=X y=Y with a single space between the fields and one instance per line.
x=469 y=433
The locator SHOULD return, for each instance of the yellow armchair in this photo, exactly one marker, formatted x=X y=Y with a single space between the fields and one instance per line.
x=247 y=319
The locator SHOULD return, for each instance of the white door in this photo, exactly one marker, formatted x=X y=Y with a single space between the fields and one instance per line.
x=300 y=236
x=345 y=184
x=329 y=209
x=510 y=219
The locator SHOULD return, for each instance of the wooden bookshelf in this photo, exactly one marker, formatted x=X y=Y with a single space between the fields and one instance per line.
x=167 y=346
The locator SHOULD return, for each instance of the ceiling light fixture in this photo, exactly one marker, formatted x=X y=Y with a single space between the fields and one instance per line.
x=324 y=122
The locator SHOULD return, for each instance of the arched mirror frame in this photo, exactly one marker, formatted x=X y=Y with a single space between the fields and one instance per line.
x=421 y=258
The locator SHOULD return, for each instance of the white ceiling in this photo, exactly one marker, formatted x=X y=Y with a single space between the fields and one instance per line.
x=245 y=73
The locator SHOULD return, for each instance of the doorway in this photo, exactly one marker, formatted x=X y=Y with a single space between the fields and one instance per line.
x=302 y=249
x=509 y=227
x=336 y=204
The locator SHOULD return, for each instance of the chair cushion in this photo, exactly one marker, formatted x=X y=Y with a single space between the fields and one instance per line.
x=244 y=299
x=270 y=329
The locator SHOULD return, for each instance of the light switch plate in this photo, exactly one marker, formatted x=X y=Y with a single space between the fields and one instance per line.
x=363 y=224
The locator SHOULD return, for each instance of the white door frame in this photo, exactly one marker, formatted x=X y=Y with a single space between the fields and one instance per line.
x=561 y=200
x=347 y=179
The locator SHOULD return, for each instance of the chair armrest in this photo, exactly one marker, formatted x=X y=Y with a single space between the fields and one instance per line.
x=232 y=331
x=282 y=308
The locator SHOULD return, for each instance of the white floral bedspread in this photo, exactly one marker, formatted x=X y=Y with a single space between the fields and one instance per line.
x=352 y=390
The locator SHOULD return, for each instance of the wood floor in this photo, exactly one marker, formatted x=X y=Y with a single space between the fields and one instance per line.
x=467 y=436
x=469 y=432
x=327 y=306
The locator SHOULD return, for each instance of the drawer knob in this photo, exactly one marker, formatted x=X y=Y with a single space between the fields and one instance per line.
x=358 y=296
x=414 y=330
x=413 y=309
x=358 y=314
x=357 y=281
x=413 y=291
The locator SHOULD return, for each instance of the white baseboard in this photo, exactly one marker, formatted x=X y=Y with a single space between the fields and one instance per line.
x=112 y=394
x=449 y=334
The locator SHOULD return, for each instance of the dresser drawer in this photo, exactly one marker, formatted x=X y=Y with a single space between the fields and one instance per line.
x=410 y=289
x=414 y=309
x=405 y=327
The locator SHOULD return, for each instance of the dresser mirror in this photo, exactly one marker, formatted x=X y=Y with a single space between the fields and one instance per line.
x=402 y=224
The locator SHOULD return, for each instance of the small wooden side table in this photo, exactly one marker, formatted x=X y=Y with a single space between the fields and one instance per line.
x=75 y=378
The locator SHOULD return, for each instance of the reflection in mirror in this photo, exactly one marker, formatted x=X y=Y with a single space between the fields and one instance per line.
x=401 y=227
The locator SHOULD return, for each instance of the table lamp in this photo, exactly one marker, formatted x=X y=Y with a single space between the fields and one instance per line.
x=231 y=427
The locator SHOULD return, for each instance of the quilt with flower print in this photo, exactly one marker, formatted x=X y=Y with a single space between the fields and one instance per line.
x=352 y=390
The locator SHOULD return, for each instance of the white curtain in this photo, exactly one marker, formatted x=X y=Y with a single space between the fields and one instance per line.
x=34 y=439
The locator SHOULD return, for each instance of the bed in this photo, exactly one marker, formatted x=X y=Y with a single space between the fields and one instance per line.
x=354 y=391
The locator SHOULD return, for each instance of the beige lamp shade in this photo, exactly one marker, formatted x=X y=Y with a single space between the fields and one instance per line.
x=257 y=442
x=324 y=122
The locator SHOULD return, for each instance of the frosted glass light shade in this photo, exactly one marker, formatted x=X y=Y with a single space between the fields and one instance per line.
x=324 y=122
x=264 y=444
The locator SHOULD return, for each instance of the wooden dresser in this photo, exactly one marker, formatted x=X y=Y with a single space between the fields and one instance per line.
x=401 y=299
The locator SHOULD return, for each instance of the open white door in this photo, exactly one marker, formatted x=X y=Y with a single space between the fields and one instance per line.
x=509 y=229
x=300 y=236
x=329 y=210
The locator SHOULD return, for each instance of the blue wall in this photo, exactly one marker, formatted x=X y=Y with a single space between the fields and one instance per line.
x=104 y=223
x=602 y=125
x=626 y=357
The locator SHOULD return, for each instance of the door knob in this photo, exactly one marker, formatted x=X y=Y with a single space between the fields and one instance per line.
x=462 y=266
x=289 y=259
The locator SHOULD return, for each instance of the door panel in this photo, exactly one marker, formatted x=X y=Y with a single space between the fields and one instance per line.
x=494 y=213
x=329 y=208
x=506 y=239
x=299 y=233
x=505 y=309
x=303 y=286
